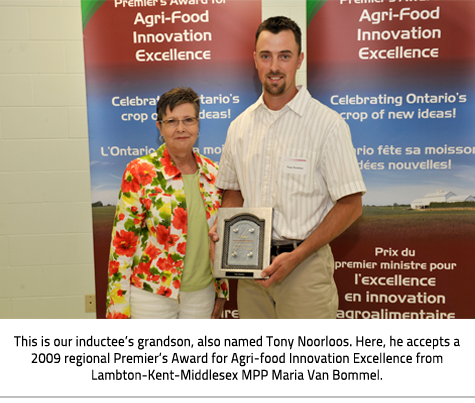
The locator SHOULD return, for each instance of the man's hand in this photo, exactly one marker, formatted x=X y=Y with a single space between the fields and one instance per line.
x=218 y=308
x=279 y=269
x=339 y=218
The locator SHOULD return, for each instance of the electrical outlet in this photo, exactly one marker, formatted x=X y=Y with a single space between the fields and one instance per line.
x=90 y=303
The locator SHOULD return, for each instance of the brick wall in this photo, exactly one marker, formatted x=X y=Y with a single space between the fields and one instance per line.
x=46 y=253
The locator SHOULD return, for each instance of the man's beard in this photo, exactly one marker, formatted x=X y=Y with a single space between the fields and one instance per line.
x=277 y=89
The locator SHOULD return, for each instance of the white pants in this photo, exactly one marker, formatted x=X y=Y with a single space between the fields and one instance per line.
x=193 y=305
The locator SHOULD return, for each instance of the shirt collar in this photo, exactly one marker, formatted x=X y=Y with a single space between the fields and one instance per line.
x=297 y=104
x=170 y=171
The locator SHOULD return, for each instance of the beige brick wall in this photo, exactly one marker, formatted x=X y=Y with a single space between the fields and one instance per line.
x=296 y=10
x=46 y=251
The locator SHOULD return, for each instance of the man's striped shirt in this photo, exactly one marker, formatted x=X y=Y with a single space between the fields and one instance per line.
x=299 y=160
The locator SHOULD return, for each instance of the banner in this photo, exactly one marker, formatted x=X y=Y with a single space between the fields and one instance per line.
x=134 y=52
x=402 y=74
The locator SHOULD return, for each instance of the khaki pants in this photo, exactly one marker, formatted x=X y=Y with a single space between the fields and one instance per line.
x=308 y=292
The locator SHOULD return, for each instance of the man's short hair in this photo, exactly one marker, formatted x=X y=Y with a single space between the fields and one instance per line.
x=177 y=96
x=279 y=24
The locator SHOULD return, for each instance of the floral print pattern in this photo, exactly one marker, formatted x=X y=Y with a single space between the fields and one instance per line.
x=150 y=227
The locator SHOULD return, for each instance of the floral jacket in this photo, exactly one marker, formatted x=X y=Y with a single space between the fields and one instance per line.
x=150 y=226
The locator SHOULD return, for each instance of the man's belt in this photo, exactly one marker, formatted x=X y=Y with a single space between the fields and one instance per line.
x=276 y=250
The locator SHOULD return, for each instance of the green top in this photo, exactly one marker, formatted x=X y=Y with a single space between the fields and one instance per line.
x=197 y=271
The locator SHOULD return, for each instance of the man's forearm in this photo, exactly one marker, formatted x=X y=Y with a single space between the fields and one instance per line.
x=232 y=198
x=338 y=219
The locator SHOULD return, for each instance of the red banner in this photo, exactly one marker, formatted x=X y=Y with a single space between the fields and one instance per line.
x=136 y=51
x=402 y=74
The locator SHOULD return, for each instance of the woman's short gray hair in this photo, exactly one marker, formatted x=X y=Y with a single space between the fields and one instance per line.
x=177 y=96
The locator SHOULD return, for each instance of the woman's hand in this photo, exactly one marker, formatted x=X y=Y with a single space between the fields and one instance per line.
x=218 y=308
x=213 y=238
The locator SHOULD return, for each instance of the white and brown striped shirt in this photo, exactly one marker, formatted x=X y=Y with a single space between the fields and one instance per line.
x=299 y=160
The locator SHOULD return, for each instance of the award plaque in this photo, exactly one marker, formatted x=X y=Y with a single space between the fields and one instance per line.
x=243 y=248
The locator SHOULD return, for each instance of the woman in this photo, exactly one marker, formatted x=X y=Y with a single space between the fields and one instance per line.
x=159 y=264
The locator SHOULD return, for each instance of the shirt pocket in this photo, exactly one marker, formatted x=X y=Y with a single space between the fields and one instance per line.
x=297 y=171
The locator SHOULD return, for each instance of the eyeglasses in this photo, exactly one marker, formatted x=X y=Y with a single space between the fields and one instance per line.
x=174 y=122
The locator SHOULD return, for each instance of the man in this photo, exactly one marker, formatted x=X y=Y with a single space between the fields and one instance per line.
x=290 y=152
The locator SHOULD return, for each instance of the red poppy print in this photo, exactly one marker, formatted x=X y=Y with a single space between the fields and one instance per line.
x=143 y=268
x=146 y=173
x=137 y=281
x=125 y=243
x=169 y=264
x=168 y=166
x=146 y=202
x=198 y=159
x=113 y=267
x=208 y=161
x=139 y=219
x=180 y=219
x=116 y=315
x=165 y=238
x=130 y=181
x=212 y=179
x=165 y=291
x=181 y=248
x=152 y=257
x=156 y=191
x=151 y=251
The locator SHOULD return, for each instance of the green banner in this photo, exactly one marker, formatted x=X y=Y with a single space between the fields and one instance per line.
x=88 y=8
x=313 y=6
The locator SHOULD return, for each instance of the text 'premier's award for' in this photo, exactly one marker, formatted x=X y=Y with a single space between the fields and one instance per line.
x=243 y=248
